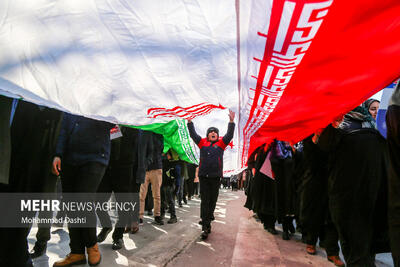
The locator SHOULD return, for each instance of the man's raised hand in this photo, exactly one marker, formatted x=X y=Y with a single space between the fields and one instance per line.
x=231 y=116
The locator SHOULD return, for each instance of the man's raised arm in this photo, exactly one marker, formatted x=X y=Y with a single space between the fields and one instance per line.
x=196 y=138
x=231 y=128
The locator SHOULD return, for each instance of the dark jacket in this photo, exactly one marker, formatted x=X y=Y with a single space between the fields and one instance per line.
x=5 y=139
x=34 y=132
x=156 y=149
x=131 y=150
x=211 y=153
x=83 y=140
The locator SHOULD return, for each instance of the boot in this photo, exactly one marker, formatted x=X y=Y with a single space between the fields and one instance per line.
x=158 y=220
x=117 y=244
x=204 y=234
x=103 y=234
x=173 y=219
x=94 y=256
x=336 y=260
x=71 y=259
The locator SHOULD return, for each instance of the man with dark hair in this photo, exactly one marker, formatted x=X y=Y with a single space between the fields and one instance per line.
x=211 y=168
x=127 y=165
x=83 y=147
x=153 y=176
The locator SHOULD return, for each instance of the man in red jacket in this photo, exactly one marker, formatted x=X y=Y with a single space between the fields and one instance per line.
x=211 y=168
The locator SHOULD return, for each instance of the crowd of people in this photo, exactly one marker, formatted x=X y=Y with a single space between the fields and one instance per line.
x=340 y=184
x=332 y=187
x=44 y=150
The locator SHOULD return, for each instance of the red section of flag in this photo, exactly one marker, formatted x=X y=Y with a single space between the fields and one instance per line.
x=354 y=54
x=231 y=144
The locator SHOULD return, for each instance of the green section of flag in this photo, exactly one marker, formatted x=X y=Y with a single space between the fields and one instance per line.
x=176 y=136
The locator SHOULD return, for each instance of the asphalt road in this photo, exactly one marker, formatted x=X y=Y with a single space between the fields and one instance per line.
x=237 y=239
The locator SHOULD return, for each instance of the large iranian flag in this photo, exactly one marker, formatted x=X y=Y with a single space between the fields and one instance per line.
x=287 y=67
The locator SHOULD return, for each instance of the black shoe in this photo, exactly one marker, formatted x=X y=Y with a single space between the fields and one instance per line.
x=185 y=201
x=180 y=205
x=38 y=250
x=140 y=221
x=150 y=212
x=117 y=244
x=285 y=236
x=158 y=220
x=173 y=220
x=271 y=230
x=103 y=234
x=201 y=222
x=204 y=235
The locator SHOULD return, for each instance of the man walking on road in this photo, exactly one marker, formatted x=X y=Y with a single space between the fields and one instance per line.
x=210 y=169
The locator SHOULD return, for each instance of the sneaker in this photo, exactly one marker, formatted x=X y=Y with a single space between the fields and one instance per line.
x=94 y=256
x=173 y=220
x=71 y=259
x=336 y=260
x=117 y=244
x=311 y=249
x=158 y=220
x=38 y=250
x=103 y=234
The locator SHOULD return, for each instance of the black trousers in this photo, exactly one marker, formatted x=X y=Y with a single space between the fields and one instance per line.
x=116 y=179
x=135 y=188
x=190 y=184
x=82 y=179
x=209 y=188
x=167 y=199
x=149 y=202
x=43 y=233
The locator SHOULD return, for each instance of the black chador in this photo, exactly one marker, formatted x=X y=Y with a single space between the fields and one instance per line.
x=357 y=187
x=314 y=210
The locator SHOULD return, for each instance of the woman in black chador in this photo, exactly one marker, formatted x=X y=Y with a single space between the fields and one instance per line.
x=314 y=211
x=271 y=198
x=261 y=197
x=357 y=186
